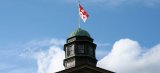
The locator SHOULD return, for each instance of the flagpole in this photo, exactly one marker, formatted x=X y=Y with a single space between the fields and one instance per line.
x=79 y=13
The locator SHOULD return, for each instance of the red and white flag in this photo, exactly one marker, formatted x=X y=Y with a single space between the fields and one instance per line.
x=83 y=14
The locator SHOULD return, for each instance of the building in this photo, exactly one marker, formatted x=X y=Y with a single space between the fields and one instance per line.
x=80 y=54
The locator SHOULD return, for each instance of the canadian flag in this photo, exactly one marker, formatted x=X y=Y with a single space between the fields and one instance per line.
x=83 y=14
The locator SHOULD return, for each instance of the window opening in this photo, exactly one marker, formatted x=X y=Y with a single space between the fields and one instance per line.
x=90 y=50
x=81 y=48
x=70 y=50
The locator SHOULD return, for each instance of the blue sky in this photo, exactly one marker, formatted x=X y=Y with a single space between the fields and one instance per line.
x=30 y=29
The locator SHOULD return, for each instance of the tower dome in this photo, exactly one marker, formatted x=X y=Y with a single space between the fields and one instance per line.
x=79 y=32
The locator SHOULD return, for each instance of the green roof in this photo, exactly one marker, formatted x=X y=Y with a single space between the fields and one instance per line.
x=79 y=32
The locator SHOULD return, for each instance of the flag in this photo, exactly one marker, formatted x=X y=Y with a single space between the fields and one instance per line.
x=83 y=14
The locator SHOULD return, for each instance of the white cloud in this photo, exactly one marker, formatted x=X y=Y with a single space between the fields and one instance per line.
x=128 y=57
x=121 y=2
x=151 y=2
x=46 y=42
x=50 y=61
x=105 y=44
x=21 y=58
x=34 y=46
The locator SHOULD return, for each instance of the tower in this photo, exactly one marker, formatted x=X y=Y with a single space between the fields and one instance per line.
x=79 y=49
x=80 y=54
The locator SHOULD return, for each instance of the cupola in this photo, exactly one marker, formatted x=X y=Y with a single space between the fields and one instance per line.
x=79 y=49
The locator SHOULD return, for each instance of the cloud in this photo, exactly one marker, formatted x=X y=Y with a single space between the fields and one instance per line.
x=149 y=3
x=105 y=44
x=50 y=61
x=127 y=56
x=34 y=46
x=36 y=56
x=46 y=42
